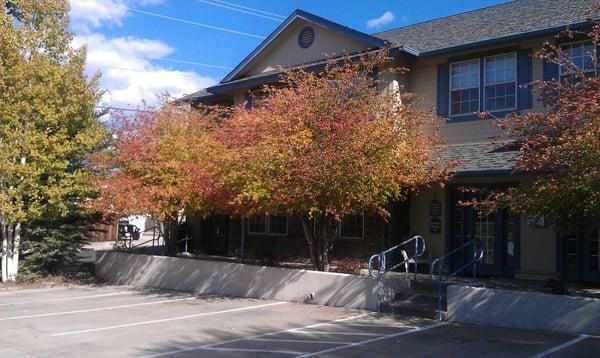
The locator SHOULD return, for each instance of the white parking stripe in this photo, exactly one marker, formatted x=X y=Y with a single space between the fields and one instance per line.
x=377 y=325
x=561 y=346
x=207 y=346
x=255 y=350
x=339 y=333
x=95 y=309
x=67 y=298
x=275 y=340
x=388 y=336
x=166 y=319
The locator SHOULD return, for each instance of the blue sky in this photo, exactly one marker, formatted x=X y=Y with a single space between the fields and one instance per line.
x=134 y=51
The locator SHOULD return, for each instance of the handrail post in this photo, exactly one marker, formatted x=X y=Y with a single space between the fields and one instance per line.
x=416 y=257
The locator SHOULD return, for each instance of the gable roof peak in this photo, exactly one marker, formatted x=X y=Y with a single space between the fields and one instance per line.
x=373 y=41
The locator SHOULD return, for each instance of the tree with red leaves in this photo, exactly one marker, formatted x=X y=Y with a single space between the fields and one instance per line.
x=162 y=163
x=325 y=145
x=561 y=147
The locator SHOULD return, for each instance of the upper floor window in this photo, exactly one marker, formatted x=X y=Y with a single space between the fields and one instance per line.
x=500 y=82
x=464 y=87
x=582 y=54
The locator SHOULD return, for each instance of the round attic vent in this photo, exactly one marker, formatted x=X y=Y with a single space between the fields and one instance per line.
x=306 y=37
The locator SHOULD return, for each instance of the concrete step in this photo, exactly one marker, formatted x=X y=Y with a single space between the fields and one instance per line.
x=408 y=308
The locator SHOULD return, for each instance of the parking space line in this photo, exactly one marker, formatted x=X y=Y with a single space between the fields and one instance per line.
x=95 y=309
x=67 y=298
x=256 y=350
x=275 y=340
x=377 y=325
x=166 y=319
x=339 y=333
x=560 y=347
x=206 y=346
x=387 y=336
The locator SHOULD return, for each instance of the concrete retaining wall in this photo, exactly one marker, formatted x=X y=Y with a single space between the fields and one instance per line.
x=526 y=310
x=240 y=280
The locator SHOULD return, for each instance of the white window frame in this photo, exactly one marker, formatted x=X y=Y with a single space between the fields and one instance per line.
x=353 y=237
x=268 y=227
x=287 y=226
x=450 y=87
x=562 y=73
x=499 y=83
x=257 y=232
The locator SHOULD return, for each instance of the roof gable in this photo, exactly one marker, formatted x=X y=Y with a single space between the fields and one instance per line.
x=347 y=39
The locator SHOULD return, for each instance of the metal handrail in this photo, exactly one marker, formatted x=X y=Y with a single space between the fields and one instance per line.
x=441 y=279
x=382 y=269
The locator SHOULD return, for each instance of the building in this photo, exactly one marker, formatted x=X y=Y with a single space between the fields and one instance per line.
x=460 y=64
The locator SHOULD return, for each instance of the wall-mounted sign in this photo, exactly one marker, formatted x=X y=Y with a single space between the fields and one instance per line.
x=435 y=225
x=435 y=208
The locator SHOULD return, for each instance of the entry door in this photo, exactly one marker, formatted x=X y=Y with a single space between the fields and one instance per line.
x=496 y=233
x=582 y=256
x=219 y=235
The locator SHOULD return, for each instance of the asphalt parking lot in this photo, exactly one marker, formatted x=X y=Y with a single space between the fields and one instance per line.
x=116 y=321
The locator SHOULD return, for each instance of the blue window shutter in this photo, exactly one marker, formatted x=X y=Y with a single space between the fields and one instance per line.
x=550 y=71
x=443 y=90
x=524 y=77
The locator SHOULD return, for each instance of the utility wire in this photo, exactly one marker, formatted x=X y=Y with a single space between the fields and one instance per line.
x=192 y=63
x=183 y=21
x=240 y=10
x=122 y=109
x=249 y=8
x=141 y=70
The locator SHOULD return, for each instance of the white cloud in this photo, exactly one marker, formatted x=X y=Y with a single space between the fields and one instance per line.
x=382 y=20
x=87 y=15
x=128 y=74
x=91 y=14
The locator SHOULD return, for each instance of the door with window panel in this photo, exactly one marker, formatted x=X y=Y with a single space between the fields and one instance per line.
x=496 y=233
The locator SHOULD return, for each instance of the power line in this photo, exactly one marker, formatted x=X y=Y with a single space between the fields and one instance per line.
x=249 y=8
x=240 y=10
x=192 y=63
x=141 y=70
x=183 y=21
x=122 y=109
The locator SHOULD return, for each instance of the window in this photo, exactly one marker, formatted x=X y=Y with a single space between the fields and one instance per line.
x=257 y=224
x=271 y=224
x=278 y=224
x=464 y=87
x=500 y=82
x=352 y=226
x=582 y=54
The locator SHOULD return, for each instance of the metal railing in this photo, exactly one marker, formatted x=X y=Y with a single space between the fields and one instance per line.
x=381 y=257
x=442 y=279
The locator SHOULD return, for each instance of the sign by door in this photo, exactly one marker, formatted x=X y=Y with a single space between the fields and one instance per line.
x=435 y=212
x=435 y=225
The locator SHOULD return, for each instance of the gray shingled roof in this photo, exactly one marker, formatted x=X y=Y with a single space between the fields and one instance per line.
x=483 y=157
x=512 y=18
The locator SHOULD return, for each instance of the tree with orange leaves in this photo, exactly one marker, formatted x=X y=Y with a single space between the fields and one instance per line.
x=560 y=147
x=161 y=164
x=325 y=145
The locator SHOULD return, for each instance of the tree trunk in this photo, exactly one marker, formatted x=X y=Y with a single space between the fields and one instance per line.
x=320 y=241
x=11 y=240
x=170 y=234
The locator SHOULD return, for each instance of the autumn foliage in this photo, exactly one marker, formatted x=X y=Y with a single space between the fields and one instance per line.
x=318 y=146
x=560 y=147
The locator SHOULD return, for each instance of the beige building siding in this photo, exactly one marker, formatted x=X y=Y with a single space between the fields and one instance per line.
x=285 y=51
x=422 y=81
x=419 y=219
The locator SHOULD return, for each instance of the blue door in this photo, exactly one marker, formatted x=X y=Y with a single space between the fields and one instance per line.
x=496 y=233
